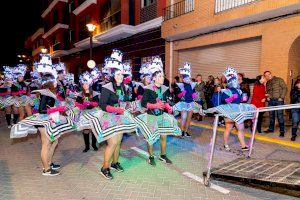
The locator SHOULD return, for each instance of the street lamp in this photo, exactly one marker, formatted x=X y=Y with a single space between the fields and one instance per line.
x=91 y=28
x=44 y=50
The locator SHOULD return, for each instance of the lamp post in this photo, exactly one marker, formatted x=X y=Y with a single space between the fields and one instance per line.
x=91 y=28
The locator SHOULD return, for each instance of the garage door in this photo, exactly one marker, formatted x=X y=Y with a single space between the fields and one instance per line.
x=243 y=55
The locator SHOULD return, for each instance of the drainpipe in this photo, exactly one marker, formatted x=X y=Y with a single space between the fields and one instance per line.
x=171 y=62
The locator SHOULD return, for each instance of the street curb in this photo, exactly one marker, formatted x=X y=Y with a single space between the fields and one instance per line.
x=257 y=137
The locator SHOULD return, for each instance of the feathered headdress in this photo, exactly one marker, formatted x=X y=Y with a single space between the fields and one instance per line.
x=69 y=77
x=154 y=67
x=35 y=75
x=112 y=63
x=186 y=69
x=45 y=65
x=144 y=72
x=8 y=74
x=158 y=59
x=96 y=73
x=127 y=69
x=117 y=54
x=60 y=68
x=85 y=78
x=231 y=76
x=48 y=77
x=19 y=70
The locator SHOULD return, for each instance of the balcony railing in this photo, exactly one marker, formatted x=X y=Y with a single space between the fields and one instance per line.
x=178 y=9
x=148 y=13
x=222 y=5
x=110 y=21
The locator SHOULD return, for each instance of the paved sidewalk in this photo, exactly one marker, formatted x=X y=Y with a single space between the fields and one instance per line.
x=21 y=168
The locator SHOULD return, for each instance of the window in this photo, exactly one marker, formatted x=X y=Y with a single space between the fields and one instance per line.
x=83 y=32
x=55 y=17
x=146 y=3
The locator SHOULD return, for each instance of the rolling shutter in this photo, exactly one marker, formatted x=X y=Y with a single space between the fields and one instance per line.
x=243 y=55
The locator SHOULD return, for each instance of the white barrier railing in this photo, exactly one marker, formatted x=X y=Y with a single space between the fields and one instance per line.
x=215 y=127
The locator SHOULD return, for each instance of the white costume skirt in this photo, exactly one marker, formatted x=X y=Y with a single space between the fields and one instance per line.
x=54 y=129
x=193 y=106
x=151 y=126
x=104 y=125
x=235 y=112
x=6 y=101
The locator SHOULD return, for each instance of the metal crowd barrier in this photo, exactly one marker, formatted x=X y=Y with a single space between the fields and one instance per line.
x=206 y=178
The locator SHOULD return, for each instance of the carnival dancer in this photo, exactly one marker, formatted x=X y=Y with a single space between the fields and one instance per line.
x=87 y=99
x=234 y=111
x=145 y=77
x=187 y=105
x=130 y=86
x=115 y=120
x=97 y=80
x=19 y=91
x=157 y=123
x=61 y=85
x=34 y=84
x=6 y=99
x=50 y=121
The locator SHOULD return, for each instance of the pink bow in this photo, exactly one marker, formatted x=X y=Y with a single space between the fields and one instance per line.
x=56 y=109
x=181 y=94
x=140 y=97
x=194 y=95
x=90 y=103
x=59 y=98
x=232 y=98
x=127 y=80
x=79 y=105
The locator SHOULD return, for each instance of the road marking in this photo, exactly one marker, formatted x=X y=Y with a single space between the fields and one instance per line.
x=140 y=151
x=200 y=180
x=188 y=174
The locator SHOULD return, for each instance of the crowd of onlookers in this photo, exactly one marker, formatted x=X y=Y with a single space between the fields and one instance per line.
x=265 y=90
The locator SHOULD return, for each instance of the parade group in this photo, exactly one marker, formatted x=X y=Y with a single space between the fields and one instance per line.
x=107 y=103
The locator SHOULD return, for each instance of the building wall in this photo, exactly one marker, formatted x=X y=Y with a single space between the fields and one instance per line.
x=204 y=15
x=280 y=49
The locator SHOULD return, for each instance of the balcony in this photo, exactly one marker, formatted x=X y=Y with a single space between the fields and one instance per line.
x=55 y=28
x=148 y=13
x=110 y=21
x=223 y=5
x=51 y=6
x=178 y=9
x=83 y=4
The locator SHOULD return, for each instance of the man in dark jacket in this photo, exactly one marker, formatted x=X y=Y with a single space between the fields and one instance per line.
x=276 y=91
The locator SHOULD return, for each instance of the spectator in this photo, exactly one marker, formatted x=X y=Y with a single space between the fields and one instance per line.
x=217 y=100
x=295 y=98
x=276 y=91
x=244 y=86
x=223 y=82
x=200 y=89
x=209 y=90
x=175 y=90
x=217 y=81
x=259 y=98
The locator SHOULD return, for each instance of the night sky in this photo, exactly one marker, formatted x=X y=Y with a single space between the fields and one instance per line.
x=19 y=20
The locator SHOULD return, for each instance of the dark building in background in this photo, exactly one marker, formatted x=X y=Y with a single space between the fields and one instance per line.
x=132 y=26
